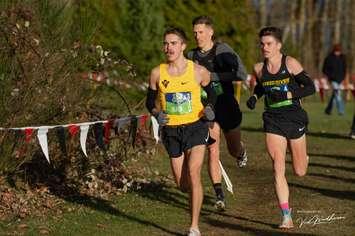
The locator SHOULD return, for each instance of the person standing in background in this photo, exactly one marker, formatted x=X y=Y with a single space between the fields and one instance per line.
x=334 y=68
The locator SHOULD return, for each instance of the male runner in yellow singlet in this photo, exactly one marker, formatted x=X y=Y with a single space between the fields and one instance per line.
x=177 y=84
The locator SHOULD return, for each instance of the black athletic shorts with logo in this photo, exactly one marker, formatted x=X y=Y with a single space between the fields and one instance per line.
x=289 y=124
x=228 y=114
x=180 y=138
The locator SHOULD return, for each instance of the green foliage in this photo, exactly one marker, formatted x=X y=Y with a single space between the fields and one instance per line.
x=233 y=23
x=44 y=57
x=133 y=29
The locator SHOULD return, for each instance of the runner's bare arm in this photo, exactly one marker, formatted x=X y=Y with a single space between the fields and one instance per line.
x=202 y=75
x=293 y=66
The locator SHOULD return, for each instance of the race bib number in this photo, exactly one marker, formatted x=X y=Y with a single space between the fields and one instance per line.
x=178 y=103
x=283 y=88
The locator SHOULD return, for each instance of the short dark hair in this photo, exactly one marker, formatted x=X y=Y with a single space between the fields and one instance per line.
x=271 y=31
x=177 y=31
x=203 y=20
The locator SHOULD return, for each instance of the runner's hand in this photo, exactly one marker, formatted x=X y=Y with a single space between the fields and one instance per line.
x=251 y=102
x=208 y=113
x=162 y=118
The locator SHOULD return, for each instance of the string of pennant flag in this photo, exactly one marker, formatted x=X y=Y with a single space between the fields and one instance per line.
x=102 y=131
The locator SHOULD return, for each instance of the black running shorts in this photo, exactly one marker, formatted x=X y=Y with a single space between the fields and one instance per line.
x=291 y=125
x=180 y=138
x=228 y=114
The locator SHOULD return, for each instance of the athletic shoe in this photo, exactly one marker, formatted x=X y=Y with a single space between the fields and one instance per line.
x=242 y=159
x=194 y=232
x=352 y=135
x=220 y=205
x=287 y=222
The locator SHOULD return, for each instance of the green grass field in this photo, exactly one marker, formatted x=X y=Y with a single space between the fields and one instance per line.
x=327 y=192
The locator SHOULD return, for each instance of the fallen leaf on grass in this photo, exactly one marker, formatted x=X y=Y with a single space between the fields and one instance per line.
x=22 y=226
x=44 y=231
x=101 y=225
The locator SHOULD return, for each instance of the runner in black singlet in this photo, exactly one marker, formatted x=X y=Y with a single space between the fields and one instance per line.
x=225 y=67
x=283 y=81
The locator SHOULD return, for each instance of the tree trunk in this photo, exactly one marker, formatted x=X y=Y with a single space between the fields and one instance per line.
x=352 y=39
x=302 y=21
x=308 y=49
x=262 y=13
x=337 y=21
x=323 y=49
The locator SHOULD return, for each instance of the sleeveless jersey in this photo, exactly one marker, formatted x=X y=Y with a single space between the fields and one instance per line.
x=281 y=81
x=180 y=95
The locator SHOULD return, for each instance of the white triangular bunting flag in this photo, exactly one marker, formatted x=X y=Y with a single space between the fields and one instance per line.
x=83 y=135
x=121 y=122
x=42 y=138
x=155 y=128
x=226 y=179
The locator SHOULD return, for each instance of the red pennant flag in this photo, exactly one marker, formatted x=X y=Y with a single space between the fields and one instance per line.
x=143 y=120
x=108 y=126
x=28 y=134
x=85 y=75
x=73 y=130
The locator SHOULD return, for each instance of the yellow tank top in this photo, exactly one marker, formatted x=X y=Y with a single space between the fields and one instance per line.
x=180 y=96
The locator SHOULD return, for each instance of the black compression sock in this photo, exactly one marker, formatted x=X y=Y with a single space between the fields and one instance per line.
x=219 y=191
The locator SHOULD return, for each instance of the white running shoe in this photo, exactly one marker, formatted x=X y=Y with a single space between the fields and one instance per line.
x=287 y=222
x=220 y=205
x=194 y=232
x=242 y=159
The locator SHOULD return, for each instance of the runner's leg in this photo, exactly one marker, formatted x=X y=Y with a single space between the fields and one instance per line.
x=195 y=160
x=299 y=155
x=179 y=169
x=235 y=146
x=276 y=146
x=213 y=154
x=214 y=169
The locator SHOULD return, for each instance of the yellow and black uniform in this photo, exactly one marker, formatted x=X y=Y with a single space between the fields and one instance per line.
x=285 y=118
x=180 y=96
x=180 y=99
